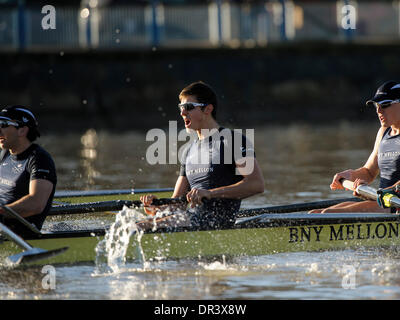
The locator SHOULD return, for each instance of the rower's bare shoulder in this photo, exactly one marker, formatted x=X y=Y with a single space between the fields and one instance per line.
x=380 y=134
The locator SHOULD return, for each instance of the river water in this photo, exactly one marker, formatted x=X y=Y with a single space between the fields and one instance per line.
x=298 y=163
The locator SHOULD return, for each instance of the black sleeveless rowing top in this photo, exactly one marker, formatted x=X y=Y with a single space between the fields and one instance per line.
x=389 y=159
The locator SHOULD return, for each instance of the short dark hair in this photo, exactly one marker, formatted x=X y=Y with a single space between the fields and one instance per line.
x=33 y=134
x=203 y=93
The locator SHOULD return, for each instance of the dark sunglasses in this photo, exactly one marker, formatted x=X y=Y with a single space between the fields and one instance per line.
x=188 y=106
x=7 y=123
x=385 y=104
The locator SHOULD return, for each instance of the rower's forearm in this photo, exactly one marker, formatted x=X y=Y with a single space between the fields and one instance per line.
x=240 y=190
x=363 y=173
x=27 y=206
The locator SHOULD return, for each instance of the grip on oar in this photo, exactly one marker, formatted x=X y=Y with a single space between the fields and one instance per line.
x=160 y=202
x=347 y=184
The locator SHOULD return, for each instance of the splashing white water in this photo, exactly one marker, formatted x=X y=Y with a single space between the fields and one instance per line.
x=111 y=251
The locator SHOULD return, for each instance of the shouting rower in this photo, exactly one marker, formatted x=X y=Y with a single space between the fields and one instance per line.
x=27 y=172
x=384 y=159
x=214 y=174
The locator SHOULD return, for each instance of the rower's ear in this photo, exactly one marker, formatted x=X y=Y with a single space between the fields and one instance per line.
x=208 y=109
x=23 y=131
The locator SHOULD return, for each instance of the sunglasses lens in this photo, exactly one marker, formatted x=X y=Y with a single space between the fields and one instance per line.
x=189 y=106
x=186 y=106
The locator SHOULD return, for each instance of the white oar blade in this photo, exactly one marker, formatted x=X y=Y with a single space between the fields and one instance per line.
x=33 y=255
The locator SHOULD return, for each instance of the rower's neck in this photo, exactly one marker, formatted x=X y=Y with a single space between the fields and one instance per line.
x=21 y=147
x=209 y=128
x=395 y=130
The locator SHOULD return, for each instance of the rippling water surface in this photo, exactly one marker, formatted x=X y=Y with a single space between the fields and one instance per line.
x=298 y=163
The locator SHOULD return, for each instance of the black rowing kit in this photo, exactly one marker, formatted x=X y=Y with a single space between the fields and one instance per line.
x=16 y=172
x=389 y=159
x=210 y=163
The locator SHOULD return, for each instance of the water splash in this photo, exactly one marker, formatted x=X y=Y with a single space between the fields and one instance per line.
x=111 y=251
x=216 y=265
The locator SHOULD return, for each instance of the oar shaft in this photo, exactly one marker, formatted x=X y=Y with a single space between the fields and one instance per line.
x=16 y=216
x=367 y=192
x=363 y=190
x=294 y=207
x=14 y=237
x=117 y=205
x=370 y=193
x=90 y=193
x=102 y=206
x=395 y=202
x=90 y=207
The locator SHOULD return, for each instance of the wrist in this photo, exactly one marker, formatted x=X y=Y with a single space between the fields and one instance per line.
x=217 y=193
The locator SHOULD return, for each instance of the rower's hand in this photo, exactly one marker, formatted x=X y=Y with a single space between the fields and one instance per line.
x=195 y=196
x=147 y=200
x=336 y=185
x=358 y=182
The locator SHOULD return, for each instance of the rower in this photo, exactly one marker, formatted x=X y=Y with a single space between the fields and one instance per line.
x=218 y=169
x=384 y=159
x=27 y=171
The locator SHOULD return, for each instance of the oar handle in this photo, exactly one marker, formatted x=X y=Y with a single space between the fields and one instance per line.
x=370 y=193
x=182 y=200
x=166 y=201
x=363 y=190
x=347 y=184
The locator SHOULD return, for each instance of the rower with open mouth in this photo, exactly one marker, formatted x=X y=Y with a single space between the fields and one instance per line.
x=214 y=175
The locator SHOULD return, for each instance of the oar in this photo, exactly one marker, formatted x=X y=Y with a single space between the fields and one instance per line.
x=295 y=207
x=260 y=213
x=101 y=206
x=30 y=254
x=116 y=205
x=16 y=216
x=89 y=193
x=371 y=193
